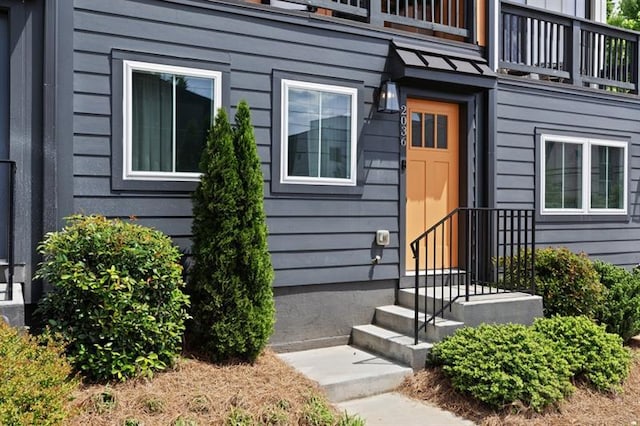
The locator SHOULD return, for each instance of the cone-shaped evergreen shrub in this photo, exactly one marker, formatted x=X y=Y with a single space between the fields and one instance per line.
x=254 y=261
x=230 y=284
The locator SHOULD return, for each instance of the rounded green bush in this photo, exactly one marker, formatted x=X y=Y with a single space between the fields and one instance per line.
x=568 y=283
x=591 y=352
x=620 y=312
x=117 y=296
x=502 y=364
x=35 y=380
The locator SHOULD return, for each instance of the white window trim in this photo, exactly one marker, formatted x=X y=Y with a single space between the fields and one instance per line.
x=586 y=143
x=128 y=67
x=284 y=151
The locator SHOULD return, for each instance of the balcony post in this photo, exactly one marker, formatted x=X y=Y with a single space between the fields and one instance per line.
x=635 y=73
x=472 y=21
x=375 y=13
x=574 y=47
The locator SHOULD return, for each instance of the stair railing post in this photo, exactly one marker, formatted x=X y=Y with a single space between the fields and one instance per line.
x=533 y=253
x=11 y=235
x=470 y=232
x=416 y=296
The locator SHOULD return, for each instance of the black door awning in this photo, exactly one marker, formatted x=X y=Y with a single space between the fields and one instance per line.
x=421 y=63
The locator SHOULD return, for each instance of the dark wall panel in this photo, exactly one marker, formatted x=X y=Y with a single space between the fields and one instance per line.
x=314 y=239
x=524 y=107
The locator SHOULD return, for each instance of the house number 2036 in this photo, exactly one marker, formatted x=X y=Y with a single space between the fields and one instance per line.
x=403 y=125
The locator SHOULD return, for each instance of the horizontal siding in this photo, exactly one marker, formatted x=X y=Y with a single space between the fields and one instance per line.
x=523 y=108
x=313 y=240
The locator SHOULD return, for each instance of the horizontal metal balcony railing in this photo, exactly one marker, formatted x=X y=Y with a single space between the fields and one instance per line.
x=450 y=17
x=567 y=49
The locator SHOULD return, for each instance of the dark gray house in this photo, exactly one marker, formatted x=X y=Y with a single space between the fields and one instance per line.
x=490 y=124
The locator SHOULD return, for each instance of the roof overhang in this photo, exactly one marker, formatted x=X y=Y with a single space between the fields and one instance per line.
x=414 y=62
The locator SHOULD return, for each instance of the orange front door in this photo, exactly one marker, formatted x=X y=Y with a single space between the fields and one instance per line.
x=432 y=180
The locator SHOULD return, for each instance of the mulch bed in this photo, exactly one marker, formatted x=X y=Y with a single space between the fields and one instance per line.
x=584 y=407
x=200 y=392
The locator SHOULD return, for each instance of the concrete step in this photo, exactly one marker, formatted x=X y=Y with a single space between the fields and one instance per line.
x=346 y=372
x=401 y=319
x=521 y=308
x=12 y=311
x=391 y=344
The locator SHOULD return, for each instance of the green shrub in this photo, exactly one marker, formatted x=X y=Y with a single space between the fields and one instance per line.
x=184 y=421
x=104 y=401
x=316 y=412
x=35 y=382
x=239 y=417
x=590 y=351
x=230 y=283
x=568 y=283
x=350 y=420
x=274 y=415
x=116 y=297
x=620 y=312
x=503 y=364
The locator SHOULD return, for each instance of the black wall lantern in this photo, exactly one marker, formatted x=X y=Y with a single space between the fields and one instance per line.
x=388 y=98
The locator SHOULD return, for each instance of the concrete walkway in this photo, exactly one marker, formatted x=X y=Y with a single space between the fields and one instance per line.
x=394 y=409
x=362 y=383
x=345 y=372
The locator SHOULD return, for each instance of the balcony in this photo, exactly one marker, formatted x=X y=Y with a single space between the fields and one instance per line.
x=566 y=49
x=462 y=20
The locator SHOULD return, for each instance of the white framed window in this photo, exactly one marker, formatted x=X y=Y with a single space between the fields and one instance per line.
x=583 y=176
x=319 y=134
x=167 y=112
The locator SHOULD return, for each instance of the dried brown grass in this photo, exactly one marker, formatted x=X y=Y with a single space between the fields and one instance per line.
x=201 y=392
x=584 y=407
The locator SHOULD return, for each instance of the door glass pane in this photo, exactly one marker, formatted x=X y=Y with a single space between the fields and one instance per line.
x=335 y=136
x=194 y=112
x=429 y=130
x=607 y=177
x=303 y=132
x=152 y=121
x=442 y=131
x=416 y=129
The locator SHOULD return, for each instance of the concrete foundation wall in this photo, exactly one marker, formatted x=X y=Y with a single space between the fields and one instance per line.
x=322 y=315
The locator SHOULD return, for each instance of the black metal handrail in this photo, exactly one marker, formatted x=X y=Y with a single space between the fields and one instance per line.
x=491 y=250
x=11 y=226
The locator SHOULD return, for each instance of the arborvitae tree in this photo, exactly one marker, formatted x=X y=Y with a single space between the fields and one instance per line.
x=214 y=285
x=254 y=261
x=230 y=284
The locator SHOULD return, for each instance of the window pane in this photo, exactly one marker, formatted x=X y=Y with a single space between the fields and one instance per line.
x=335 y=135
x=607 y=177
x=563 y=175
x=194 y=112
x=303 y=132
x=152 y=121
x=429 y=130
x=319 y=134
x=416 y=129
x=553 y=175
x=442 y=131
x=572 y=176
